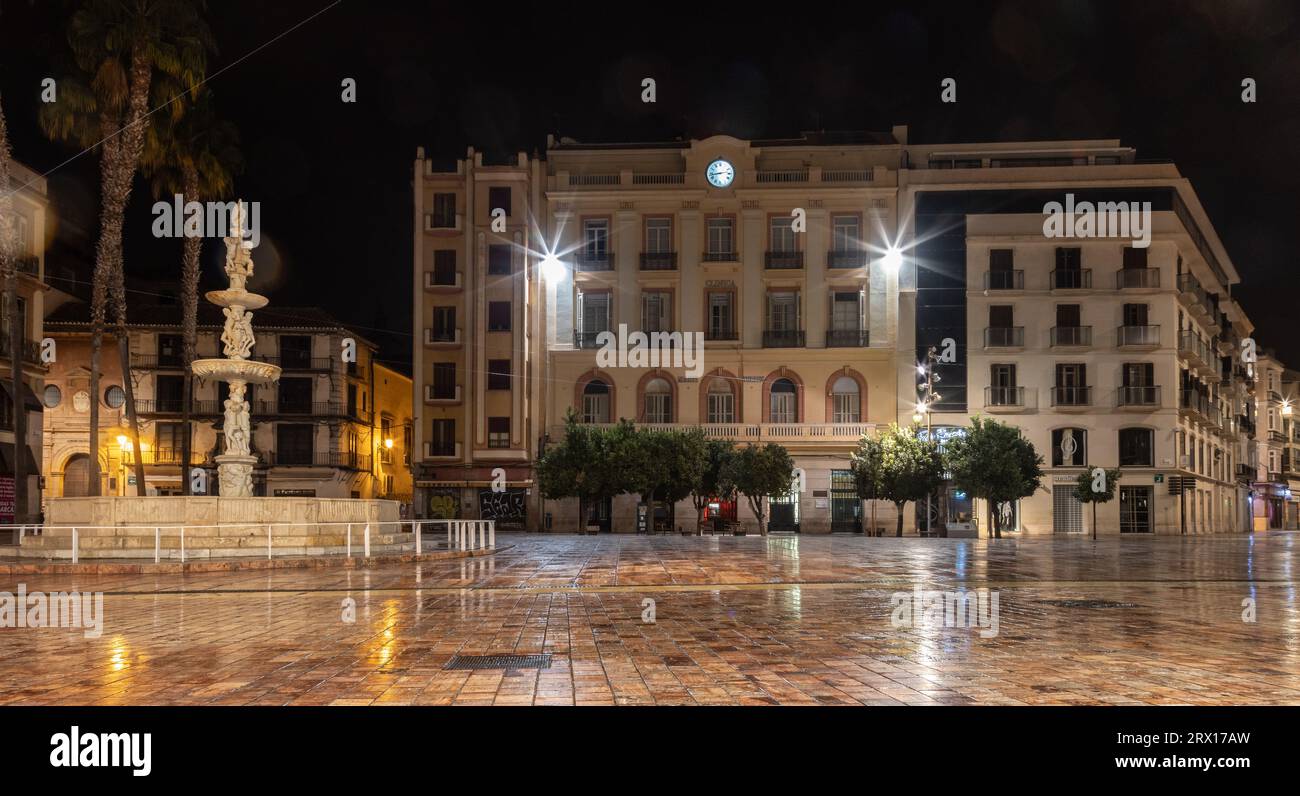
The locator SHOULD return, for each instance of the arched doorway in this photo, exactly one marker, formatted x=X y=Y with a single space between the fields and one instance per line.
x=76 y=476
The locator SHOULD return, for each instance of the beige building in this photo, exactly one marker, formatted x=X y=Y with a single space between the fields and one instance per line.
x=29 y=205
x=319 y=432
x=1276 y=475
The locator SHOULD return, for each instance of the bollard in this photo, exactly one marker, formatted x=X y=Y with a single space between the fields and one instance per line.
x=349 y=540
x=157 y=543
x=182 y=544
x=492 y=534
x=418 y=529
x=74 y=545
x=367 y=540
x=268 y=542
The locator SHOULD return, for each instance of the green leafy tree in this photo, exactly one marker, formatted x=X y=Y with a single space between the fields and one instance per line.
x=668 y=464
x=591 y=463
x=897 y=466
x=1096 y=485
x=717 y=452
x=995 y=462
x=130 y=56
x=759 y=473
x=197 y=158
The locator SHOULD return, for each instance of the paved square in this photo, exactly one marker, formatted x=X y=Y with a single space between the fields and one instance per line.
x=739 y=621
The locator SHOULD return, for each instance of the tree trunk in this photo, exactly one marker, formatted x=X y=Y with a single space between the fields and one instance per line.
x=124 y=354
x=997 y=522
x=20 y=406
x=1094 y=520
x=899 y=507
x=189 y=327
x=93 y=479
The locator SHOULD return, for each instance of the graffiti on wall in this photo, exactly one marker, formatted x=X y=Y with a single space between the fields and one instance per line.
x=507 y=508
x=444 y=504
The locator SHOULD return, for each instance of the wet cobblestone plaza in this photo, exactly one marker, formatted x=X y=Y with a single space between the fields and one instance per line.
x=737 y=621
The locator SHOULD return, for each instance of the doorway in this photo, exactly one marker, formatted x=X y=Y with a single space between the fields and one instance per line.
x=1135 y=509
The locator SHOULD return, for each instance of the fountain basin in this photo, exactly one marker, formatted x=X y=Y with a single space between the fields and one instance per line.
x=236 y=298
x=250 y=370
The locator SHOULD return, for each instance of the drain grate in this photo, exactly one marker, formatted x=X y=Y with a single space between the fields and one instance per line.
x=1095 y=604
x=499 y=662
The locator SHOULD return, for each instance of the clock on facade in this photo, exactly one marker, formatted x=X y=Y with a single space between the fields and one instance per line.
x=720 y=173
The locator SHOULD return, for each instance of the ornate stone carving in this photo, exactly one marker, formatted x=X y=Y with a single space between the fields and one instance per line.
x=237 y=337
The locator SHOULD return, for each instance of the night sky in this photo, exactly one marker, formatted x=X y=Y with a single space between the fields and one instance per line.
x=334 y=179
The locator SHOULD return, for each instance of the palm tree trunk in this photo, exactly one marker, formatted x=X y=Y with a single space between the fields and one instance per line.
x=189 y=327
x=124 y=354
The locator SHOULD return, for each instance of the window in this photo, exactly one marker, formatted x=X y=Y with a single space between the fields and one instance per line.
x=6 y=411
x=444 y=210
x=295 y=350
x=782 y=234
x=783 y=402
x=1134 y=258
x=444 y=323
x=295 y=395
x=846 y=310
x=1068 y=258
x=846 y=233
x=498 y=374
x=114 y=397
x=846 y=405
x=52 y=397
x=595 y=238
x=721 y=236
x=1135 y=315
x=595 y=402
x=1067 y=315
x=498 y=316
x=499 y=197
x=170 y=392
x=593 y=313
x=721 y=402
x=499 y=259
x=1071 y=387
x=444 y=267
x=658 y=401
x=721 y=321
x=656 y=311
x=1001 y=260
x=658 y=235
x=169 y=442
x=1001 y=316
x=1136 y=447
x=442 y=437
x=352 y=400
x=169 y=349
x=783 y=311
x=498 y=432
x=444 y=380
x=294 y=443
x=1069 y=447
x=1002 y=385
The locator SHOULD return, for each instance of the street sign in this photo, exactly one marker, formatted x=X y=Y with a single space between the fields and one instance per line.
x=1160 y=478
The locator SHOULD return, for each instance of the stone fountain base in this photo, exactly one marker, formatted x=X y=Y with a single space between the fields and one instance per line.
x=215 y=527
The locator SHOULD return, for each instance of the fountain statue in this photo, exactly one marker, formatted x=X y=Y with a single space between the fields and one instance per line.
x=235 y=464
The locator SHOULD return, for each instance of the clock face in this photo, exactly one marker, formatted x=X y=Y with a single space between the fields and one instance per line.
x=720 y=173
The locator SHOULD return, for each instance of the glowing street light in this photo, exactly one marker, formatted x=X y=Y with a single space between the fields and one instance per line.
x=893 y=259
x=552 y=269
x=388 y=443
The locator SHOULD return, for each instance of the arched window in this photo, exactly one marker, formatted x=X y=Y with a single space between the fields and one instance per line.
x=783 y=402
x=595 y=402
x=721 y=401
x=846 y=404
x=658 y=401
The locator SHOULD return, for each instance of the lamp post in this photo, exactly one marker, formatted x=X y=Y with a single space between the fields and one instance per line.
x=926 y=406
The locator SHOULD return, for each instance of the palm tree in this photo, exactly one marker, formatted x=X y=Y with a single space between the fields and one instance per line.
x=197 y=158
x=119 y=47
x=9 y=273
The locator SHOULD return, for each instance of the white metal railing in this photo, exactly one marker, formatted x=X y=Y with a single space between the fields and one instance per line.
x=463 y=535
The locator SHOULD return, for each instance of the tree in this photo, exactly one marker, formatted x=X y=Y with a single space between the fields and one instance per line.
x=669 y=463
x=759 y=473
x=9 y=273
x=994 y=462
x=118 y=47
x=1096 y=485
x=898 y=466
x=709 y=485
x=197 y=158
x=591 y=463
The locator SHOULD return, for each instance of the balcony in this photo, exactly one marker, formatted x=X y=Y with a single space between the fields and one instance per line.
x=339 y=459
x=781 y=176
x=721 y=335
x=848 y=338
x=791 y=433
x=1004 y=280
x=1246 y=473
x=1192 y=295
x=298 y=362
x=29 y=264
x=157 y=362
x=1137 y=337
x=783 y=261
x=720 y=257
x=442 y=222
x=444 y=451
x=169 y=406
x=443 y=282
x=31 y=353
x=1071 y=397
x=1137 y=279
x=1009 y=399
x=1071 y=336
x=659 y=261
x=441 y=394
x=308 y=409
x=442 y=337
x=1075 y=279
x=1194 y=350
x=588 y=260
x=850 y=259
x=1191 y=402
x=783 y=338
x=1004 y=337
x=159 y=456
x=588 y=339
x=1140 y=396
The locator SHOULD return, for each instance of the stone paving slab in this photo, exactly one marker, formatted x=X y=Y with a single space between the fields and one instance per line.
x=739 y=621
